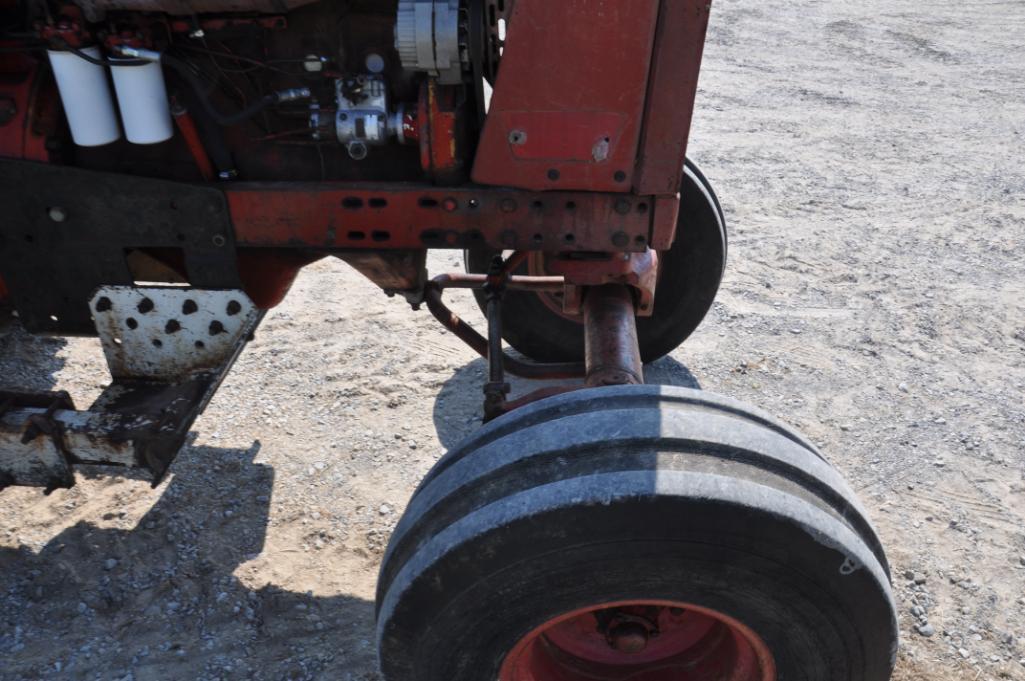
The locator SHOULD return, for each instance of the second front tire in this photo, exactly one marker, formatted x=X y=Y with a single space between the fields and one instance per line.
x=638 y=532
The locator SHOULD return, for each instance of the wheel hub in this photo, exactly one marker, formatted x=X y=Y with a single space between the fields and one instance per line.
x=640 y=641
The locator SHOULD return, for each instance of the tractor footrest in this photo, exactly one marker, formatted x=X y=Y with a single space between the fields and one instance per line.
x=168 y=349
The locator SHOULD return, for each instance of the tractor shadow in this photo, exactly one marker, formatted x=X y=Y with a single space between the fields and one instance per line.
x=27 y=363
x=458 y=408
x=158 y=598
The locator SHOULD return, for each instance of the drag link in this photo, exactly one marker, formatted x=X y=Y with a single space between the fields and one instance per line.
x=496 y=389
x=547 y=284
x=479 y=344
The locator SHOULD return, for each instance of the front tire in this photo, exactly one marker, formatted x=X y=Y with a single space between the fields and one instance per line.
x=632 y=506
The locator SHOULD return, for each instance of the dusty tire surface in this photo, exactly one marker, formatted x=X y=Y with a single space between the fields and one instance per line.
x=626 y=493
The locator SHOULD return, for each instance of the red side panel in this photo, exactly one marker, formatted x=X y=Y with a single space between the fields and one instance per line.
x=674 y=82
x=19 y=137
x=21 y=114
x=569 y=102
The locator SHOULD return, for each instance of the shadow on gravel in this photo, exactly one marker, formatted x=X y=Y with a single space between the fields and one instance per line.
x=160 y=600
x=458 y=408
x=27 y=362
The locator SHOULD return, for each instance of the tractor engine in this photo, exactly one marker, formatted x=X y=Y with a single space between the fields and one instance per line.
x=267 y=90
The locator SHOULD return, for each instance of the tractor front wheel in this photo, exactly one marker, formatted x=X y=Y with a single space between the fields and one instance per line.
x=689 y=276
x=646 y=533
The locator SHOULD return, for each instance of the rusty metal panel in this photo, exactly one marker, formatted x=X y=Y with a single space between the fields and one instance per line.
x=568 y=105
x=71 y=228
x=20 y=116
x=393 y=216
x=664 y=221
x=679 y=44
x=393 y=271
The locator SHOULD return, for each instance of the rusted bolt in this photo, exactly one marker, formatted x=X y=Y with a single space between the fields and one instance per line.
x=450 y=204
x=623 y=206
x=508 y=205
x=620 y=239
x=629 y=637
x=517 y=137
x=554 y=174
x=619 y=176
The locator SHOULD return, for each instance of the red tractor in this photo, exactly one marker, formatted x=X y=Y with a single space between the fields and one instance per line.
x=167 y=167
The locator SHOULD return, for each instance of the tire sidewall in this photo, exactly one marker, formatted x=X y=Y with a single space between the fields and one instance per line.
x=779 y=580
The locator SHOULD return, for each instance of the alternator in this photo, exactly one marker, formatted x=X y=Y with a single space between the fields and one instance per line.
x=427 y=38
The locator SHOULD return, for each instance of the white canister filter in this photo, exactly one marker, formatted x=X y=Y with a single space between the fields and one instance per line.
x=142 y=98
x=86 y=97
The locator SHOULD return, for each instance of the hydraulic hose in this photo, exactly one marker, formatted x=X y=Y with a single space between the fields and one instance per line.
x=182 y=69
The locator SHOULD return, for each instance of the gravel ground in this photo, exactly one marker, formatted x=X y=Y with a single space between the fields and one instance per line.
x=869 y=159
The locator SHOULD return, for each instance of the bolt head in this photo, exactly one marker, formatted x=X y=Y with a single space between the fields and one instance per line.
x=357 y=150
x=57 y=214
x=629 y=637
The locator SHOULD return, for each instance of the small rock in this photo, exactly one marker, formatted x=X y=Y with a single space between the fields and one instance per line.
x=963 y=652
x=385 y=509
x=903 y=387
x=110 y=564
x=925 y=629
x=919 y=578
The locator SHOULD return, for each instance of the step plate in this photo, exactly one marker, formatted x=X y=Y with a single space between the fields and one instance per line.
x=165 y=333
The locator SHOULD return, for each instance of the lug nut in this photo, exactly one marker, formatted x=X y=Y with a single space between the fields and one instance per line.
x=629 y=637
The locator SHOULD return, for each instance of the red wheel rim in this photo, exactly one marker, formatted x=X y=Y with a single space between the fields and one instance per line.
x=553 y=301
x=640 y=641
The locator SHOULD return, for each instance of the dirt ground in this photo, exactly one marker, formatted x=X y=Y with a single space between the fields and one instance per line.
x=869 y=157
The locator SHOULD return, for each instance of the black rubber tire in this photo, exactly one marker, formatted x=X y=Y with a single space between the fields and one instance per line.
x=625 y=493
x=691 y=272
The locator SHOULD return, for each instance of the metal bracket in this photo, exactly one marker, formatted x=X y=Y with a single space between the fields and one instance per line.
x=168 y=349
x=168 y=333
x=72 y=228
